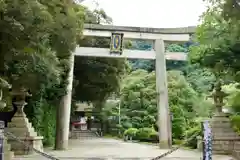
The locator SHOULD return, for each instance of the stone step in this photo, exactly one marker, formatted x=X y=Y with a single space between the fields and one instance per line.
x=220 y=120
x=79 y=131
x=224 y=125
x=18 y=120
x=225 y=134
x=223 y=129
x=225 y=137
x=236 y=154
x=8 y=156
x=22 y=132
x=228 y=133
x=19 y=124
x=82 y=134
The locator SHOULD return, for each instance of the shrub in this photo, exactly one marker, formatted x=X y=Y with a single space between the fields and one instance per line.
x=44 y=112
x=131 y=132
x=154 y=136
x=191 y=136
x=235 y=119
x=143 y=134
x=155 y=126
x=127 y=125
x=177 y=141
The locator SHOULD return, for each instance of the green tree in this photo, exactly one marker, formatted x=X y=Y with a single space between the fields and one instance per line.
x=138 y=102
x=218 y=41
x=36 y=40
x=176 y=48
x=201 y=79
x=231 y=9
x=149 y=65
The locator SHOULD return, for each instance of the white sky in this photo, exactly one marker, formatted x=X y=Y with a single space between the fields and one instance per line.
x=151 y=13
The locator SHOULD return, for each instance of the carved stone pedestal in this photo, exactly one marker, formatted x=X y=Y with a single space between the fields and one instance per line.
x=23 y=130
x=225 y=140
x=8 y=154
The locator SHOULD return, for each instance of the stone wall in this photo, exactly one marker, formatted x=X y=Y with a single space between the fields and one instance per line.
x=225 y=140
x=236 y=150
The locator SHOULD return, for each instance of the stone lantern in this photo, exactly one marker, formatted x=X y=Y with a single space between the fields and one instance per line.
x=20 y=95
x=223 y=136
x=218 y=97
x=21 y=128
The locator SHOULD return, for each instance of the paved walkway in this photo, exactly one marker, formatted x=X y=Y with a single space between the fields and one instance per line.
x=106 y=149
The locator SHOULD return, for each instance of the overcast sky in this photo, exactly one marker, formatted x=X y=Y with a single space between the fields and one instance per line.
x=152 y=13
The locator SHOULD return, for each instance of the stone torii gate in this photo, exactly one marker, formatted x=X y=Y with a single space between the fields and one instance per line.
x=157 y=36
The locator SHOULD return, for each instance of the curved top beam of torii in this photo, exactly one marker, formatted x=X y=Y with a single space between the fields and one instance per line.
x=179 y=30
x=182 y=34
x=168 y=34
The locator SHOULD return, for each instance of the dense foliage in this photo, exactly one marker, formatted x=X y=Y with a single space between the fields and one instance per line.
x=218 y=41
x=149 y=65
x=139 y=110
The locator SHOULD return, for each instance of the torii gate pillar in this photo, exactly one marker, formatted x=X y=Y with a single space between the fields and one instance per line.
x=164 y=121
x=64 y=112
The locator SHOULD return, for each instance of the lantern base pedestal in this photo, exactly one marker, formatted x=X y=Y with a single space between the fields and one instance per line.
x=30 y=143
x=8 y=154
x=23 y=130
x=225 y=139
